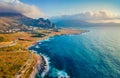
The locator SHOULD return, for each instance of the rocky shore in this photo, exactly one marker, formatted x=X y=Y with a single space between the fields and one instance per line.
x=41 y=67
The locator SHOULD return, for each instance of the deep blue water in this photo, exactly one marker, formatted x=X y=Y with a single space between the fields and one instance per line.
x=94 y=54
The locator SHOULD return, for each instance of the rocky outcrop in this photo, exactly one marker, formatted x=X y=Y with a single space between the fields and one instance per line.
x=40 y=67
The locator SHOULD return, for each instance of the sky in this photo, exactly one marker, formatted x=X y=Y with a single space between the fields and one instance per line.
x=68 y=7
x=95 y=11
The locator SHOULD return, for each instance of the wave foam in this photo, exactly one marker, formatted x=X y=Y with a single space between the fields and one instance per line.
x=62 y=74
x=37 y=46
x=47 y=66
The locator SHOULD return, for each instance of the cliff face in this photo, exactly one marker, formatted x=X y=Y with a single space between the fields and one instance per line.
x=17 y=19
x=41 y=22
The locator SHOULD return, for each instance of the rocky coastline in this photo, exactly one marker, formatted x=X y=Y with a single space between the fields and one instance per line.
x=41 y=67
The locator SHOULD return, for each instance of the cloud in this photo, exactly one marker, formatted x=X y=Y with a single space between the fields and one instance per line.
x=102 y=16
x=105 y=21
x=15 y=6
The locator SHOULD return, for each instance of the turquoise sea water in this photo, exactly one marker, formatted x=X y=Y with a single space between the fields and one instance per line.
x=94 y=54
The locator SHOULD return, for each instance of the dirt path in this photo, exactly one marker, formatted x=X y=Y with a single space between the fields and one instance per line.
x=7 y=44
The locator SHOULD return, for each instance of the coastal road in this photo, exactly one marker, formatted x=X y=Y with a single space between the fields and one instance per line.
x=8 y=45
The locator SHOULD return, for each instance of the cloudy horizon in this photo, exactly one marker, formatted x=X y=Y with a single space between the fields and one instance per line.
x=101 y=16
x=78 y=9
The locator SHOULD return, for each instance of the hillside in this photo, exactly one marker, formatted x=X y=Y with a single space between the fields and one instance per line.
x=16 y=20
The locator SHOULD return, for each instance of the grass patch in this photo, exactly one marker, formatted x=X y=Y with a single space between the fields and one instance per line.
x=3 y=39
x=11 y=62
x=13 y=57
x=12 y=36
x=11 y=48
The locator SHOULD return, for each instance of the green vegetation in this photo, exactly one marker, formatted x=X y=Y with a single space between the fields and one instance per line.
x=13 y=36
x=11 y=48
x=11 y=62
x=12 y=58
x=38 y=35
x=32 y=63
x=3 y=39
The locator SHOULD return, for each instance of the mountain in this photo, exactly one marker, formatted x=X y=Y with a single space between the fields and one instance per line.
x=15 y=20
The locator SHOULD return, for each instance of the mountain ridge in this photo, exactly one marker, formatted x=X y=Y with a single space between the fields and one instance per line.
x=17 y=19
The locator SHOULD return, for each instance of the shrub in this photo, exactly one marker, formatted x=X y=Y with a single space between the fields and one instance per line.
x=2 y=39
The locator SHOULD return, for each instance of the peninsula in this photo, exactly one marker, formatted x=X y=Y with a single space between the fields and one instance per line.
x=16 y=60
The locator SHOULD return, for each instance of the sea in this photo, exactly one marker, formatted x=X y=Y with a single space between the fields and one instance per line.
x=93 y=54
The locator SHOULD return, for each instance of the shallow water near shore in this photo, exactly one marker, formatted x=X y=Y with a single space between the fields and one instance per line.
x=94 y=54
